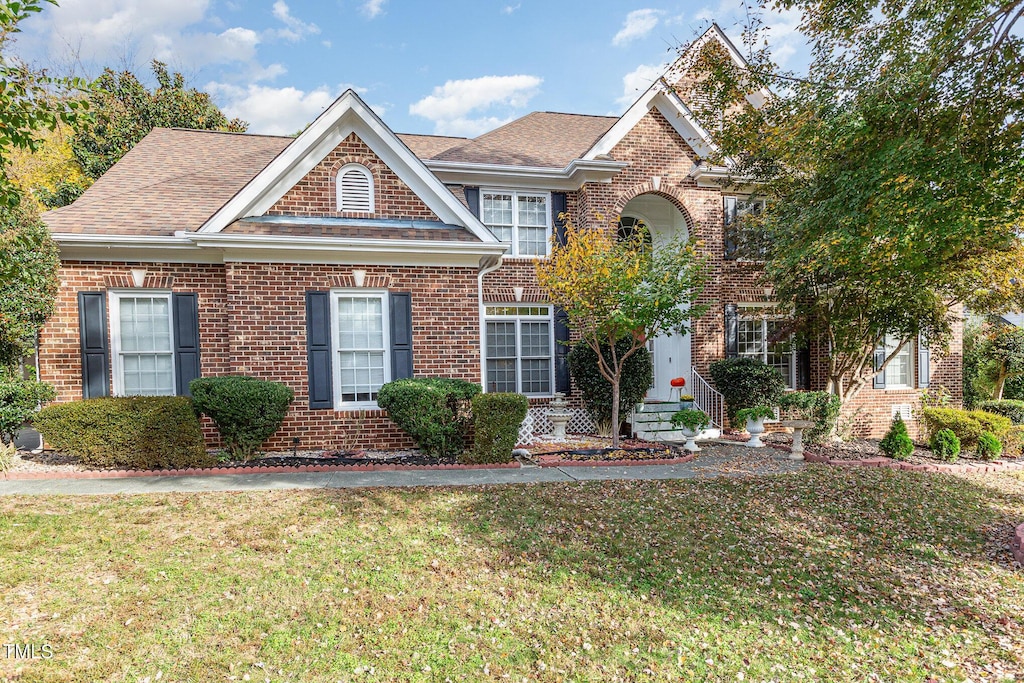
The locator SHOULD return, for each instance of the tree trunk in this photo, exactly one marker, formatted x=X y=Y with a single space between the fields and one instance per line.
x=997 y=392
x=615 y=410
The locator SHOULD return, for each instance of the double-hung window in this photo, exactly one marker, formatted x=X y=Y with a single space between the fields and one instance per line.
x=899 y=372
x=142 y=343
x=741 y=240
x=522 y=219
x=759 y=338
x=519 y=350
x=361 y=345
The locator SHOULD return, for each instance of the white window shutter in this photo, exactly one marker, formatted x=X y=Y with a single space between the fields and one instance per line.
x=355 y=189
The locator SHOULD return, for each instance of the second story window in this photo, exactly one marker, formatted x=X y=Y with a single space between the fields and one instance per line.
x=742 y=238
x=355 y=189
x=523 y=219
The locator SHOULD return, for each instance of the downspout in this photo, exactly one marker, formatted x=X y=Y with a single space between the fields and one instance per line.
x=487 y=265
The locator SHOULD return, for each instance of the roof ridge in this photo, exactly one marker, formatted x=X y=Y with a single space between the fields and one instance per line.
x=432 y=135
x=569 y=113
x=226 y=132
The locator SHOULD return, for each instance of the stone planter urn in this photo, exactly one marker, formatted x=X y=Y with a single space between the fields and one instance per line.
x=690 y=435
x=755 y=427
x=559 y=414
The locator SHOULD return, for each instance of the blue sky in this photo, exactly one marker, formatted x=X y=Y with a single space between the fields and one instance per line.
x=451 y=68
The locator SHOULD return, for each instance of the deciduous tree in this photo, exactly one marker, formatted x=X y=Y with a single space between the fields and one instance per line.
x=125 y=110
x=894 y=168
x=612 y=289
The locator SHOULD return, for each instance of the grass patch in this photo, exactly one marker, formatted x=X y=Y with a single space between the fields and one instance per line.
x=825 y=575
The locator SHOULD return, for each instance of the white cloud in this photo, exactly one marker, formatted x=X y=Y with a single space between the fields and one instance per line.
x=509 y=9
x=449 y=105
x=637 y=81
x=197 y=49
x=638 y=24
x=372 y=8
x=272 y=111
x=295 y=29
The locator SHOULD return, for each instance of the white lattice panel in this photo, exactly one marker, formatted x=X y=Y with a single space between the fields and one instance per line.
x=538 y=424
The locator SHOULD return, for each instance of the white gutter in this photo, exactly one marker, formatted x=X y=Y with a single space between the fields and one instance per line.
x=572 y=177
x=343 y=244
x=484 y=270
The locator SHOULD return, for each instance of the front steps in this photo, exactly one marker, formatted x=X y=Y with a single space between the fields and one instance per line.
x=652 y=422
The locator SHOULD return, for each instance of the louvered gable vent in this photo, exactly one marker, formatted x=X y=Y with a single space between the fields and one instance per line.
x=355 y=189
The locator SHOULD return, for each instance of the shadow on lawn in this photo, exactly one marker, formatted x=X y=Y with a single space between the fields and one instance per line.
x=870 y=547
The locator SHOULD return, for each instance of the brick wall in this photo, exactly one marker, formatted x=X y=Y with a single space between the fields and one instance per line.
x=252 y=321
x=315 y=195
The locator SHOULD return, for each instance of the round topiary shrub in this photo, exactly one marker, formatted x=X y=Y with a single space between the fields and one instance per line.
x=246 y=410
x=496 y=421
x=596 y=391
x=434 y=411
x=989 y=446
x=945 y=445
x=746 y=383
x=896 y=443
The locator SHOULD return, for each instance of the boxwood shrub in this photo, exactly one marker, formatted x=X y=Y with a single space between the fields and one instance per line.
x=1014 y=410
x=989 y=446
x=596 y=391
x=496 y=421
x=132 y=432
x=246 y=410
x=434 y=411
x=945 y=445
x=19 y=401
x=746 y=382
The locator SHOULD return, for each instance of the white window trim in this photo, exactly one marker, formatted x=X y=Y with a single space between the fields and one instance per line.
x=909 y=348
x=116 y=362
x=370 y=184
x=791 y=380
x=514 y=248
x=549 y=318
x=336 y=349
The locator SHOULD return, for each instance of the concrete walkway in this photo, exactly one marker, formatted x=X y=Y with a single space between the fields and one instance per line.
x=732 y=462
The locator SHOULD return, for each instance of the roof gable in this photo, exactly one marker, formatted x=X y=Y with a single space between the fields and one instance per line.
x=348 y=115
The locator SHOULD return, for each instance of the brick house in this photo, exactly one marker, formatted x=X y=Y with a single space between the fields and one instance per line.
x=349 y=256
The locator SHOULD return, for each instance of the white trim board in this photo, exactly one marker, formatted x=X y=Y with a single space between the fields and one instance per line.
x=349 y=114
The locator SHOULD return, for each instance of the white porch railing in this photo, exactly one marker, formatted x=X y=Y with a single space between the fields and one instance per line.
x=707 y=398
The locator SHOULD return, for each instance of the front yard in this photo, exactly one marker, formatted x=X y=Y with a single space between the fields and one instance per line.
x=825 y=575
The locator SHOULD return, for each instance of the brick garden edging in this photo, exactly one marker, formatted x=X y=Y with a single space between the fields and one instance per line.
x=615 y=463
x=947 y=468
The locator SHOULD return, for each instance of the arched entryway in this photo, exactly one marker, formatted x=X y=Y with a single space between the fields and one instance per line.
x=671 y=353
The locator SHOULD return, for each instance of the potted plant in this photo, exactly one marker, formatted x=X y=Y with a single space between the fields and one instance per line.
x=755 y=417
x=691 y=422
x=686 y=401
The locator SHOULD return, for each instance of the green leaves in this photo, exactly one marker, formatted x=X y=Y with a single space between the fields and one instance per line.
x=28 y=281
x=126 y=110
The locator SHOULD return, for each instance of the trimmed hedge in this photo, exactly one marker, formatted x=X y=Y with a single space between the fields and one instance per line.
x=132 y=432
x=596 y=391
x=246 y=410
x=966 y=424
x=819 y=406
x=434 y=411
x=496 y=421
x=746 y=383
x=1014 y=410
x=896 y=443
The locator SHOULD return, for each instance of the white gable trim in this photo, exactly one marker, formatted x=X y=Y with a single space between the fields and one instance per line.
x=349 y=114
x=659 y=96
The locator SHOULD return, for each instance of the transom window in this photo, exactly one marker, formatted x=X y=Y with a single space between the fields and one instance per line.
x=519 y=349
x=355 y=188
x=758 y=339
x=519 y=218
x=899 y=372
x=142 y=344
x=362 y=362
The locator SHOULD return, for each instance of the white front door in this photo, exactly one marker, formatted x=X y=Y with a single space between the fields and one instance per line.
x=671 y=359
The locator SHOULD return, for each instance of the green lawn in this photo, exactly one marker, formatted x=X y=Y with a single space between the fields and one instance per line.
x=826 y=575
